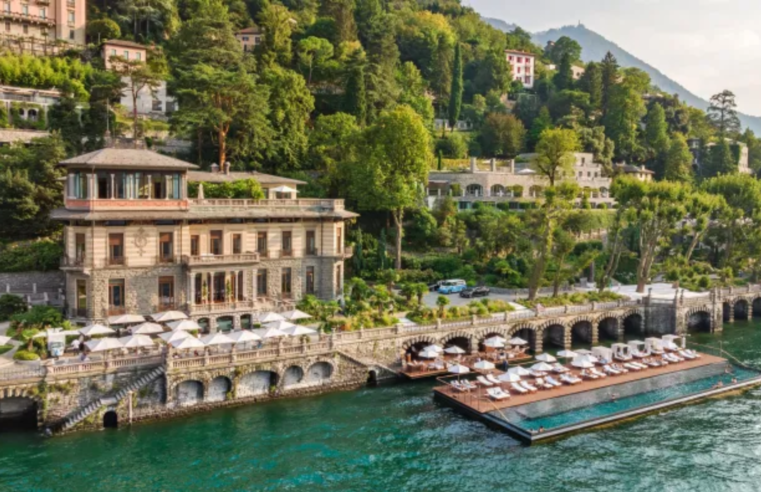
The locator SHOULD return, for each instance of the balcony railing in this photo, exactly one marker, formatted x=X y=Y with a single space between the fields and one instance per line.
x=116 y=310
x=32 y=19
x=303 y=203
x=311 y=252
x=117 y=261
x=166 y=259
x=220 y=259
x=166 y=304
x=73 y=262
x=348 y=252
x=220 y=307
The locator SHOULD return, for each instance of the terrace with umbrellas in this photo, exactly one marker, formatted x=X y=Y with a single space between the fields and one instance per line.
x=131 y=334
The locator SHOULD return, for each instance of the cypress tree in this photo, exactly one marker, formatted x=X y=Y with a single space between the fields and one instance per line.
x=355 y=97
x=381 y=251
x=609 y=69
x=564 y=78
x=358 y=260
x=455 y=95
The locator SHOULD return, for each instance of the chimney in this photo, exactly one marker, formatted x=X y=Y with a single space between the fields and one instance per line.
x=493 y=163
x=473 y=166
x=215 y=168
x=226 y=169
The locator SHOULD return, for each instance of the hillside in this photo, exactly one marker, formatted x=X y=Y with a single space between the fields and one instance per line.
x=594 y=47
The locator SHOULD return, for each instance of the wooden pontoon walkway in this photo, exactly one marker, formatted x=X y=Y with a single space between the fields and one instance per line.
x=478 y=401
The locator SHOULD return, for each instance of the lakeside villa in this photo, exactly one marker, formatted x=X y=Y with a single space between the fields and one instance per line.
x=135 y=242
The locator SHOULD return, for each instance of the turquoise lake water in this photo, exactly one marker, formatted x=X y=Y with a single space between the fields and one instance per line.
x=395 y=438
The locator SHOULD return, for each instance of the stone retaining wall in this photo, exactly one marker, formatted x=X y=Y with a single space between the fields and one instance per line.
x=24 y=282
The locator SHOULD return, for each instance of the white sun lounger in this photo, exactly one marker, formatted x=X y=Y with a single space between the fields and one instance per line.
x=632 y=367
x=520 y=389
x=619 y=368
x=686 y=355
x=484 y=381
x=553 y=382
x=598 y=373
x=492 y=379
x=497 y=394
x=610 y=370
x=529 y=387
x=569 y=379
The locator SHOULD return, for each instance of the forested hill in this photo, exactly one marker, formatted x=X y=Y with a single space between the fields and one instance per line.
x=594 y=47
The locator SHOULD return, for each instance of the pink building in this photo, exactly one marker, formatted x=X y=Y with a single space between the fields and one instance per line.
x=522 y=65
x=36 y=26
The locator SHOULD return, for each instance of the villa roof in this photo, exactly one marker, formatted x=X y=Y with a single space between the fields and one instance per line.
x=126 y=44
x=221 y=177
x=632 y=169
x=251 y=30
x=128 y=159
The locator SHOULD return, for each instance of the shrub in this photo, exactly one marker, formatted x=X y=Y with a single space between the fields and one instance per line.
x=25 y=355
x=11 y=305
x=38 y=317
x=453 y=146
x=40 y=256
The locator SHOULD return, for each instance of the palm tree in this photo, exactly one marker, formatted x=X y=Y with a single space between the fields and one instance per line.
x=380 y=299
x=421 y=289
x=408 y=290
x=442 y=302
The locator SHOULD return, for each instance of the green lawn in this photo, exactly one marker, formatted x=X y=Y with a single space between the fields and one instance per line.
x=5 y=348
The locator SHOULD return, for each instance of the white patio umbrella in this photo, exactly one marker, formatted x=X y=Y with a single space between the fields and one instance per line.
x=184 y=325
x=545 y=358
x=483 y=365
x=243 y=336
x=167 y=316
x=217 y=339
x=495 y=342
x=171 y=336
x=583 y=352
x=103 y=344
x=136 y=341
x=458 y=369
x=583 y=362
x=5 y=340
x=542 y=367
x=517 y=341
x=428 y=354
x=189 y=342
x=270 y=333
x=44 y=334
x=496 y=338
x=284 y=189
x=295 y=315
x=298 y=330
x=280 y=325
x=519 y=371
x=96 y=329
x=125 y=319
x=146 y=328
x=454 y=350
x=509 y=377
x=435 y=348
x=567 y=354
x=270 y=317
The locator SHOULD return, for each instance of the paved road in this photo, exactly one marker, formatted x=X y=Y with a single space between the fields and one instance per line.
x=455 y=300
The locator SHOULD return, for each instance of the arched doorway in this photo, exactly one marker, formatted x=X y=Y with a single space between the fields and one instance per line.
x=219 y=388
x=607 y=329
x=554 y=335
x=757 y=307
x=18 y=414
x=204 y=324
x=189 y=393
x=416 y=348
x=700 y=321
x=582 y=333
x=319 y=373
x=474 y=190
x=257 y=383
x=245 y=322
x=110 y=420
x=726 y=311
x=462 y=342
x=529 y=335
x=633 y=325
x=742 y=310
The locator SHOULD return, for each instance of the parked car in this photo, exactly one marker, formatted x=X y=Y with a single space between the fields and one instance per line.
x=476 y=292
x=452 y=286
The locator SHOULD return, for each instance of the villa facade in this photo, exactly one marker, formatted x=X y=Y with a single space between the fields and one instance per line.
x=135 y=242
x=42 y=27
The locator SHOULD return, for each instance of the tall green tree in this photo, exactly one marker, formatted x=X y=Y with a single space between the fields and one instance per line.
x=441 y=77
x=277 y=23
x=564 y=47
x=591 y=83
x=355 y=89
x=678 y=163
x=609 y=73
x=139 y=76
x=625 y=110
x=541 y=123
x=656 y=130
x=393 y=168
x=563 y=79
x=502 y=135
x=720 y=160
x=722 y=113
x=455 y=94
x=555 y=154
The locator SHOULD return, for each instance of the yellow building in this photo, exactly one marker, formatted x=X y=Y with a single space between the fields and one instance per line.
x=135 y=242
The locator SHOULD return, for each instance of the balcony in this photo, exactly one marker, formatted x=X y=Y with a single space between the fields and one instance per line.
x=116 y=261
x=306 y=204
x=166 y=304
x=214 y=260
x=222 y=307
x=347 y=253
x=74 y=263
x=105 y=204
x=166 y=259
x=116 y=310
x=311 y=252
x=28 y=18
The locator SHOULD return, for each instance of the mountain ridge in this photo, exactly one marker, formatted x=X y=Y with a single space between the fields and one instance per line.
x=595 y=46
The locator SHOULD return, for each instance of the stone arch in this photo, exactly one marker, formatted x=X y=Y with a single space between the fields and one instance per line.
x=19 y=411
x=31 y=115
x=699 y=320
x=474 y=189
x=257 y=383
x=110 y=420
x=609 y=328
x=727 y=310
x=411 y=342
x=319 y=373
x=554 y=333
x=219 y=387
x=633 y=323
x=583 y=331
x=756 y=306
x=459 y=338
x=529 y=333
x=741 y=309
x=189 y=392
x=497 y=190
x=293 y=376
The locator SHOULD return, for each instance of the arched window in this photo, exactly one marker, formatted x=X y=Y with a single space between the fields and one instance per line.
x=475 y=190
x=498 y=190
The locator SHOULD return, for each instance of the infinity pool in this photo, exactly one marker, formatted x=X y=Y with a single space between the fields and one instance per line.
x=575 y=409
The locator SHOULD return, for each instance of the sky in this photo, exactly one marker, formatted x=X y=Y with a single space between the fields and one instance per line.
x=705 y=45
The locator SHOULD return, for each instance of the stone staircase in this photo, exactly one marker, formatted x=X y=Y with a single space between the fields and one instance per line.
x=83 y=412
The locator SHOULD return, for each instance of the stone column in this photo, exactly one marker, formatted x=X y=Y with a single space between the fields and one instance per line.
x=567 y=337
x=191 y=289
x=112 y=180
x=538 y=342
x=595 y=334
x=731 y=312
x=149 y=180
x=166 y=187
